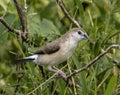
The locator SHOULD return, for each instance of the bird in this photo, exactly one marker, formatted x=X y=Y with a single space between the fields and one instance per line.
x=57 y=51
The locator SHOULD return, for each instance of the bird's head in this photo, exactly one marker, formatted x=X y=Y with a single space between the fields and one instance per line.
x=78 y=34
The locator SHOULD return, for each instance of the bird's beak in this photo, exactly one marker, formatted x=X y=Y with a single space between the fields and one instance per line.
x=86 y=36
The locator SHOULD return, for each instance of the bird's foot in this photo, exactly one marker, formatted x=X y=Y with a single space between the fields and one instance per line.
x=61 y=74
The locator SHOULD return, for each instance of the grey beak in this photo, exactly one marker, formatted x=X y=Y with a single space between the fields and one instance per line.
x=86 y=36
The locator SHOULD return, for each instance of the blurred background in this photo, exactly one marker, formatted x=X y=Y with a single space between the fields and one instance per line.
x=46 y=22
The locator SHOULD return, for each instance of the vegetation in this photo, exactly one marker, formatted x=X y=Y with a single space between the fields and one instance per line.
x=46 y=22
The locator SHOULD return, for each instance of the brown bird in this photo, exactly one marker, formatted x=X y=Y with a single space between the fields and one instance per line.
x=57 y=51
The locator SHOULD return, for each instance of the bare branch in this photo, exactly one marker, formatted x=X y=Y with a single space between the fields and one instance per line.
x=22 y=16
x=11 y=29
x=93 y=61
x=114 y=61
x=60 y=3
x=2 y=20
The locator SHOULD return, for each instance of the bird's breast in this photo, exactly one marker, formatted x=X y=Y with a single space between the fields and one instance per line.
x=68 y=48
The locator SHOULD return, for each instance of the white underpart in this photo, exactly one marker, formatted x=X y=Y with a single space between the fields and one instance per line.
x=69 y=47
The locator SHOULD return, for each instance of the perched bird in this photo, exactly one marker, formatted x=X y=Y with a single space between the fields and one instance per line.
x=57 y=51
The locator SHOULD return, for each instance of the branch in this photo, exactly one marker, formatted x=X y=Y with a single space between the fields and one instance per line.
x=60 y=3
x=2 y=20
x=11 y=29
x=93 y=61
x=114 y=61
x=22 y=17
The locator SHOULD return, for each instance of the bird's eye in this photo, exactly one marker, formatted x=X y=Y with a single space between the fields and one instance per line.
x=79 y=32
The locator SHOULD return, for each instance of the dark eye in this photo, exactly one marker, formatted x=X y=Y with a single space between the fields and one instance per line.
x=79 y=32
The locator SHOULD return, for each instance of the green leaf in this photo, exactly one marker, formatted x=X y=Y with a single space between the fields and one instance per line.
x=44 y=27
x=111 y=85
x=3 y=4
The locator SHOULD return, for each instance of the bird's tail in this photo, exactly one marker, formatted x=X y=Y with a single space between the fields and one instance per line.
x=26 y=59
x=19 y=61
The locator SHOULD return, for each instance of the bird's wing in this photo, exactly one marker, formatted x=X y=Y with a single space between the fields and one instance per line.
x=49 y=48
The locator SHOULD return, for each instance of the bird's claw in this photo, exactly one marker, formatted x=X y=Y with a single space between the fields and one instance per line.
x=61 y=74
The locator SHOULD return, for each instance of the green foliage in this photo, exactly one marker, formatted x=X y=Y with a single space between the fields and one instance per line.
x=111 y=86
x=46 y=22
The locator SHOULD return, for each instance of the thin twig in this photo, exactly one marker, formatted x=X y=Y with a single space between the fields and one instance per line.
x=23 y=18
x=60 y=3
x=20 y=14
x=10 y=29
x=114 y=61
x=93 y=61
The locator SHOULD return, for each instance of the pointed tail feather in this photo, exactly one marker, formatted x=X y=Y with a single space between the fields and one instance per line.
x=19 y=61
x=26 y=59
